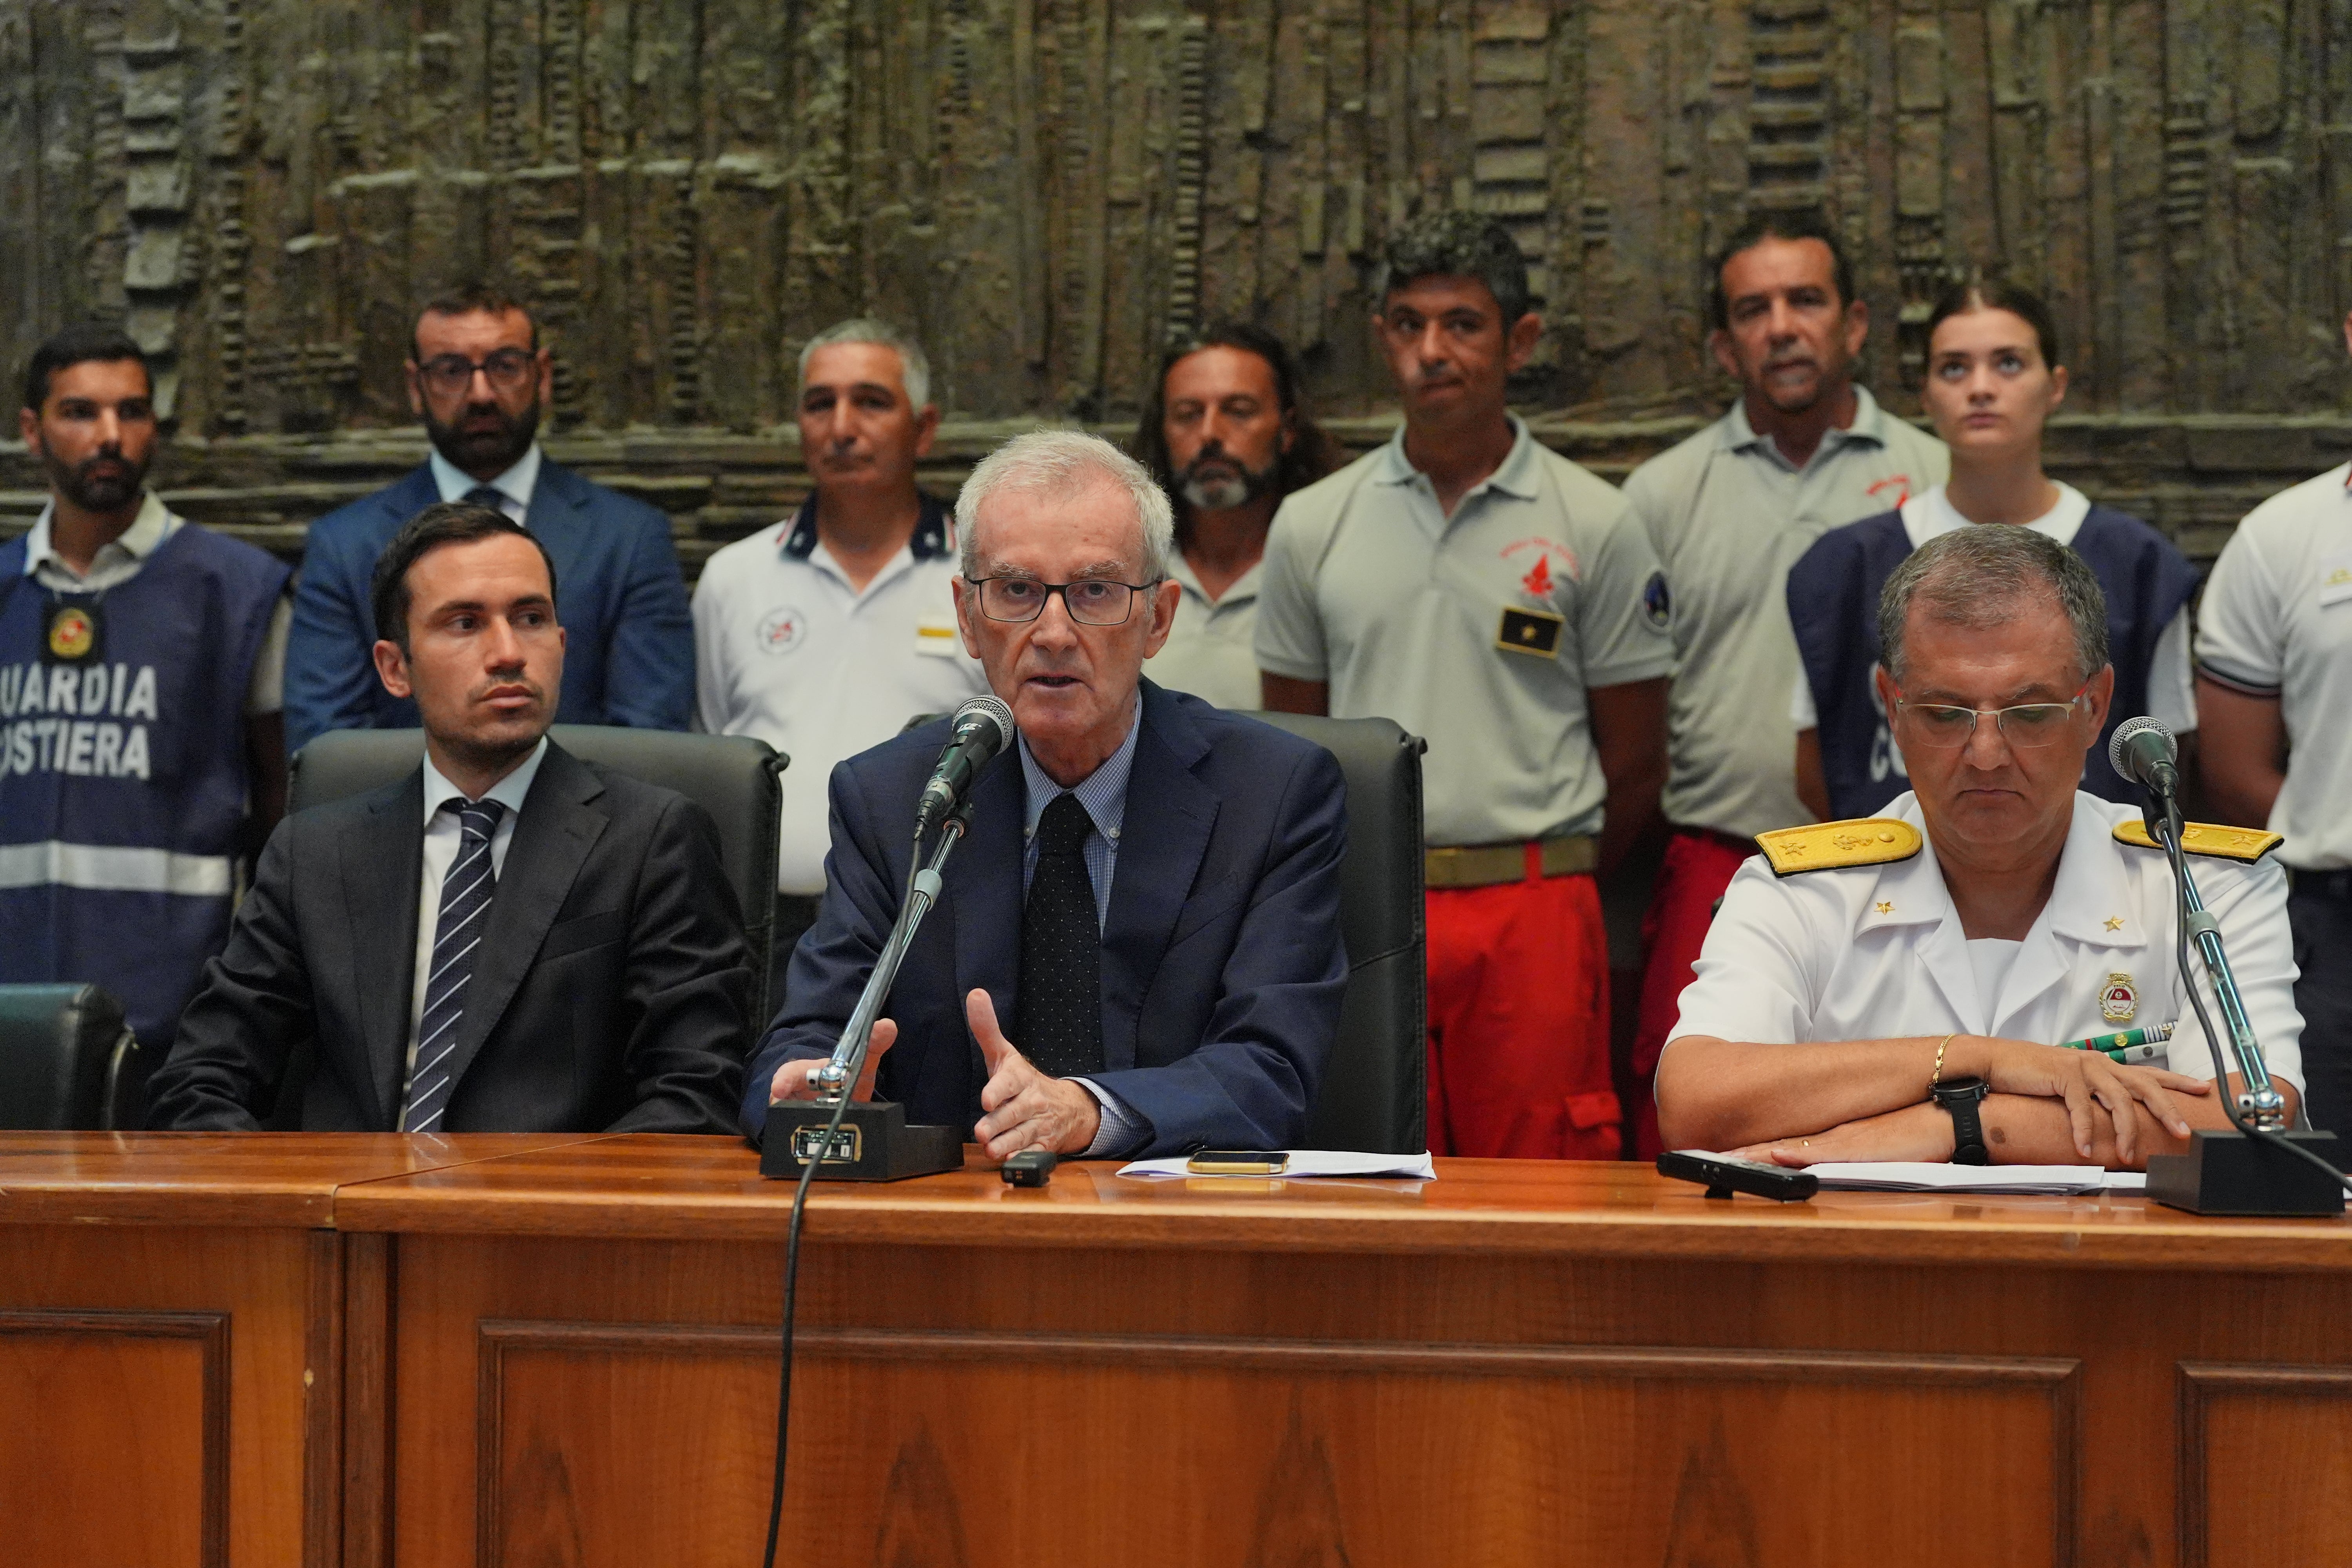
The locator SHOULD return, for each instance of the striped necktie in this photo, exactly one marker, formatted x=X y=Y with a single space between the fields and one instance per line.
x=466 y=895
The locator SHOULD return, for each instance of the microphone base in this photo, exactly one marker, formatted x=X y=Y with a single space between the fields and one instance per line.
x=874 y=1144
x=2227 y=1172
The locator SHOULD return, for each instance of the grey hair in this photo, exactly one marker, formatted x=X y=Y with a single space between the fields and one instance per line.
x=1459 y=245
x=1065 y=462
x=914 y=365
x=1974 y=577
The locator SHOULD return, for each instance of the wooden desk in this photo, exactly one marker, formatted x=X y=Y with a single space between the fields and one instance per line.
x=1517 y=1364
x=174 y=1317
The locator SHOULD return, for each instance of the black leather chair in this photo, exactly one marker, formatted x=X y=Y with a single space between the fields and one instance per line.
x=67 y=1060
x=732 y=777
x=1375 y=1093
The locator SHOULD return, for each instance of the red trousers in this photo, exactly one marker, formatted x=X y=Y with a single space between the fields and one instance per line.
x=1697 y=868
x=1519 y=1022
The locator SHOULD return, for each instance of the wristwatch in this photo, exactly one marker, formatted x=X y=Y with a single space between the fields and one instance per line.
x=1961 y=1096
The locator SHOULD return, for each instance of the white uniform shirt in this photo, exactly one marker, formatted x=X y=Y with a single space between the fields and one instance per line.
x=515 y=486
x=2171 y=693
x=1729 y=515
x=1877 y=952
x=119 y=560
x=2277 y=622
x=788 y=651
x=1208 y=652
x=1442 y=624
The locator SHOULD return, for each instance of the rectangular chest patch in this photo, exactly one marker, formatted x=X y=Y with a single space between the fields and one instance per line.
x=1529 y=631
x=2334 y=578
x=938 y=639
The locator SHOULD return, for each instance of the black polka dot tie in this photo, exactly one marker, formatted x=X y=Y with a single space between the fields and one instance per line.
x=1058 y=1017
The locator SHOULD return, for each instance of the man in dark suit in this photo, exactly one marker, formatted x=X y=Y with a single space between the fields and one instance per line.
x=1149 y=890
x=509 y=940
x=481 y=381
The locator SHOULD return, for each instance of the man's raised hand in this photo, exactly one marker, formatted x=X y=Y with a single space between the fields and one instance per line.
x=1023 y=1108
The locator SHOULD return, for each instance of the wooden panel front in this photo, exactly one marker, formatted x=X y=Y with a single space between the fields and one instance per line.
x=2265 y=1464
x=116 y=1447
x=949 y=1447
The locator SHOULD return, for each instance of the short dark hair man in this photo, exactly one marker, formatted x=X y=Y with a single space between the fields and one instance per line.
x=508 y=940
x=1141 y=930
x=1803 y=450
x=1225 y=433
x=142 y=753
x=1497 y=598
x=480 y=379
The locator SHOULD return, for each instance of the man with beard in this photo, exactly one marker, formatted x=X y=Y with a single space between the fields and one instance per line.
x=825 y=633
x=141 y=749
x=480 y=379
x=1225 y=435
x=1730 y=510
x=508 y=939
x=1495 y=597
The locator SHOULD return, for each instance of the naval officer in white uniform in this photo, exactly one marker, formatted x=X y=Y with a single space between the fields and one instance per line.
x=1899 y=988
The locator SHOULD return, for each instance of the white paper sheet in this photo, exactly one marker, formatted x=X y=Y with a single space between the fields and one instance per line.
x=1908 y=1176
x=1303 y=1162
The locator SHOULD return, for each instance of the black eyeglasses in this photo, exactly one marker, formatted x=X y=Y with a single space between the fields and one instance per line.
x=1092 y=601
x=506 y=370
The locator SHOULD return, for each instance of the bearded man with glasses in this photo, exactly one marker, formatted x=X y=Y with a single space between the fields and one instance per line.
x=481 y=381
x=1962 y=979
x=1137 y=949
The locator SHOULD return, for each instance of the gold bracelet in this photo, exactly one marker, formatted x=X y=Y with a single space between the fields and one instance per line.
x=1936 y=1076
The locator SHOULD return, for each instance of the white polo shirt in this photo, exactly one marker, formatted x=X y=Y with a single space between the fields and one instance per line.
x=786 y=650
x=1873 y=952
x=1480 y=632
x=2277 y=622
x=1729 y=514
x=1209 y=650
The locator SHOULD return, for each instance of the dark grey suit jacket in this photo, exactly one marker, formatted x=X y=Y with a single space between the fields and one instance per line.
x=609 y=992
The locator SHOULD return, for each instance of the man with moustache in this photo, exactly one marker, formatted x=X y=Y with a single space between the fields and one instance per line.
x=1499 y=600
x=141 y=750
x=481 y=381
x=507 y=939
x=1225 y=436
x=1803 y=450
x=824 y=635
x=1149 y=893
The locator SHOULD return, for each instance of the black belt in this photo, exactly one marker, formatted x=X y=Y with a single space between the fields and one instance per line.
x=2332 y=885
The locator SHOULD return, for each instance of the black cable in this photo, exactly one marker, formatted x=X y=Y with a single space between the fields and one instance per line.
x=2171 y=841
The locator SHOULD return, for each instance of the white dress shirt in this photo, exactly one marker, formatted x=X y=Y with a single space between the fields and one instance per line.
x=441 y=842
x=514 y=486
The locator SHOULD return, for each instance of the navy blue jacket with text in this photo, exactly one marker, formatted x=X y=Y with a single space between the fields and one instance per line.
x=628 y=655
x=1222 y=962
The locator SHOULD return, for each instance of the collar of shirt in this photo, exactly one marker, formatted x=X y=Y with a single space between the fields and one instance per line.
x=1242 y=589
x=1516 y=476
x=1869 y=428
x=128 y=549
x=1928 y=516
x=934 y=531
x=2090 y=889
x=1103 y=792
x=517 y=484
x=508 y=791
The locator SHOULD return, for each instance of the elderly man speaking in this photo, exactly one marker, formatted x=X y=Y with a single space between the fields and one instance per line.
x=1901 y=988
x=1137 y=949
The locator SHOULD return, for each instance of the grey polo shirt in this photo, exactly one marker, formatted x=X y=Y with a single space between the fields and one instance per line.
x=1208 y=652
x=1729 y=515
x=1481 y=632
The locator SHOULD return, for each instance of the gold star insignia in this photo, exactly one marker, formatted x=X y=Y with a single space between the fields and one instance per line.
x=2114 y=922
x=1885 y=908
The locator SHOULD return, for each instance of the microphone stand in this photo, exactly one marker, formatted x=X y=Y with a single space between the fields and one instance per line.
x=2259 y=1167
x=870 y=1141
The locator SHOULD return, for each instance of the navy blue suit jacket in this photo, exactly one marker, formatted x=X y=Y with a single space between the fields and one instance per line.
x=628 y=655
x=1222 y=962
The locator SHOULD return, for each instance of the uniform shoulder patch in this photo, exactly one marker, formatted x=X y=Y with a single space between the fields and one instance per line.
x=2206 y=838
x=1831 y=846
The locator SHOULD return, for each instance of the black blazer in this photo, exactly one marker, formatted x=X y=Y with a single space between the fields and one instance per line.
x=609 y=993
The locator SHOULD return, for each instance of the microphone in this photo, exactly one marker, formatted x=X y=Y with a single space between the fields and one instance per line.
x=984 y=727
x=2144 y=753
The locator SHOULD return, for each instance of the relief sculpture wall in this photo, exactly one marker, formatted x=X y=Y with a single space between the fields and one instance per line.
x=1046 y=189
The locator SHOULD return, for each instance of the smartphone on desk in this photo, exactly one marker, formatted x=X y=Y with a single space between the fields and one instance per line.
x=1238 y=1163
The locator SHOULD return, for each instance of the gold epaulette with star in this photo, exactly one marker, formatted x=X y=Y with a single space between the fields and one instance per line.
x=2206 y=838
x=1832 y=846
